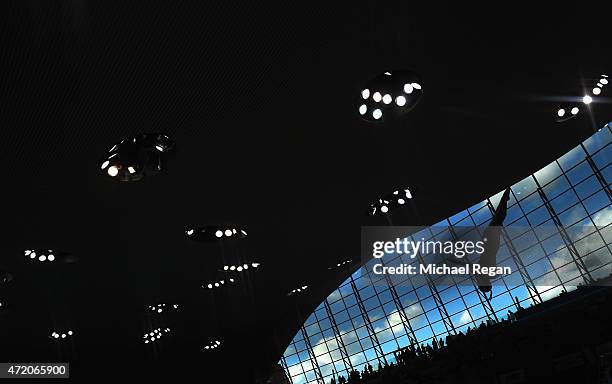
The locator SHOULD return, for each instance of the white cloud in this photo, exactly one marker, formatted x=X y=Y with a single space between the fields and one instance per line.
x=465 y=317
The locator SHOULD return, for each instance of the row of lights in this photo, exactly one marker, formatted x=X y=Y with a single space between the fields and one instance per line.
x=212 y=345
x=159 y=308
x=297 y=290
x=154 y=335
x=57 y=335
x=602 y=82
x=219 y=233
x=217 y=284
x=41 y=255
x=394 y=199
x=341 y=264
x=240 y=268
x=562 y=113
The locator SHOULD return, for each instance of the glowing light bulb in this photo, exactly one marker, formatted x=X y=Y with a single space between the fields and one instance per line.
x=112 y=171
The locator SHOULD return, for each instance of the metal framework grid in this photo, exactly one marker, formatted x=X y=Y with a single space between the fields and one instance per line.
x=368 y=324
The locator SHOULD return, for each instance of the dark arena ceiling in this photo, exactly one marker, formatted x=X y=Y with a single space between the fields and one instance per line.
x=259 y=98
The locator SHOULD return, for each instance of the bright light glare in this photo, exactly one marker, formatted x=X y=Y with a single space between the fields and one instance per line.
x=561 y=112
x=387 y=99
x=400 y=101
x=365 y=93
x=219 y=233
x=51 y=258
x=575 y=110
x=604 y=81
x=416 y=85
x=377 y=96
x=42 y=258
x=587 y=99
x=228 y=232
x=408 y=88
x=384 y=209
x=131 y=170
x=596 y=91
x=377 y=114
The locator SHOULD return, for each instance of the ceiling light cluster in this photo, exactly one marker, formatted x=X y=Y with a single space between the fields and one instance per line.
x=564 y=113
x=62 y=335
x=137 y=157
x=210 y=346
x=154 y=335
x=211 y=233
x=219 y=283
x=297 y=290
x=603 y=81
x=341 y=264
x=390 y=201
x=391 y=93
x=239 y=268
x=159 y=308
x=40 y=255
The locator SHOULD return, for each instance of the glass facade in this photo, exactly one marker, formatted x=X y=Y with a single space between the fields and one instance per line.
x=361 y=322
